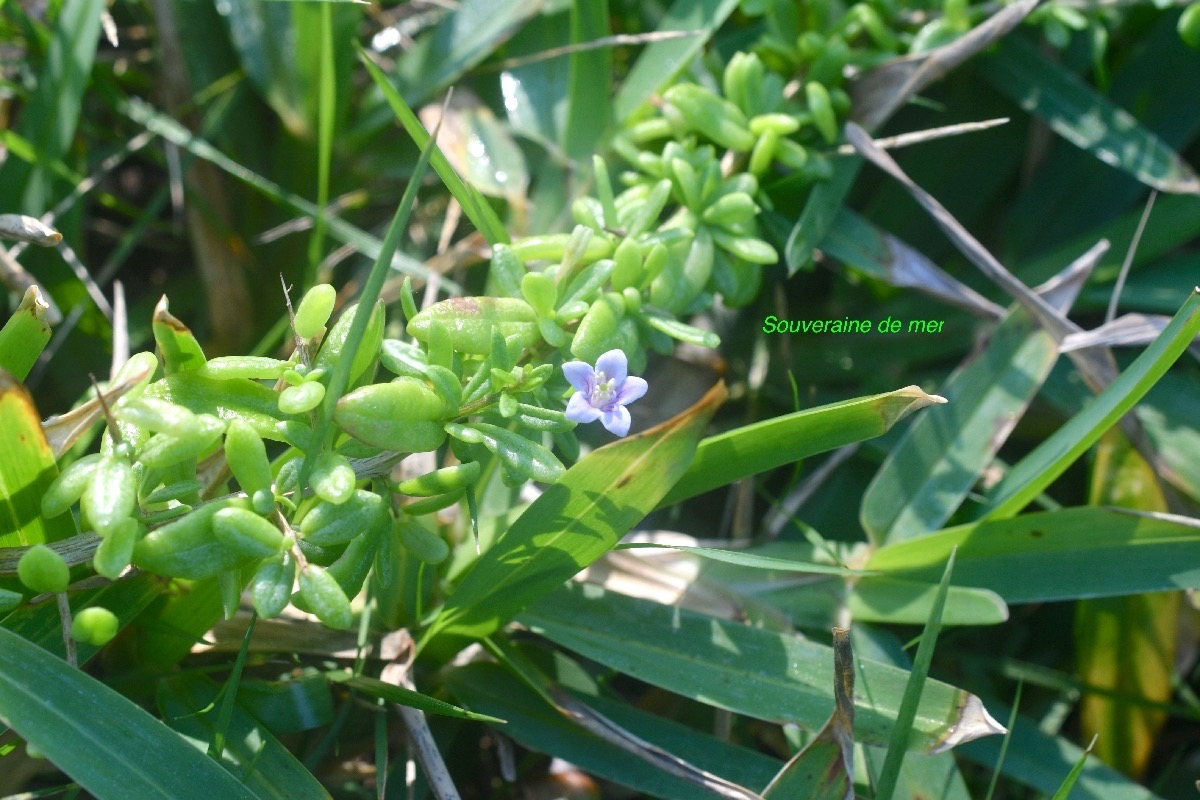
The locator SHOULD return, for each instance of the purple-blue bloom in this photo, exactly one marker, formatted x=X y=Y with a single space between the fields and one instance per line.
x=602 y=393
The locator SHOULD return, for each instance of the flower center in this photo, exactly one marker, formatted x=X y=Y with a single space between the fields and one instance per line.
x=604 y=392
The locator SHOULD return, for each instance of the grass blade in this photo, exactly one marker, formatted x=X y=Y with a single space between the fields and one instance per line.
x=898 y=743
x=339 y=377
x=48 y=121
x=1086 y=118
x=253 y=754
x=105 y=742
x=537 y=725
x=476 y=207
x=1029 y=477
x=1056 y=555
x=753 y=671
x=772 y=443
x=166 y=127
x=937 y=461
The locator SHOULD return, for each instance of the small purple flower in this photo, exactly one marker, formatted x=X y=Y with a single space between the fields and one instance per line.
x=602 y=393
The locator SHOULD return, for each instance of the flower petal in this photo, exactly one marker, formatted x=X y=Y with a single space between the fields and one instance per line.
x=633 y=388
x=617 y=420
x=580 y=410
x=614 y=365
x=581 y=376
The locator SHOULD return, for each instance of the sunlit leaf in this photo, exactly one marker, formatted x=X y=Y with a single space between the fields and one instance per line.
x=570 y=525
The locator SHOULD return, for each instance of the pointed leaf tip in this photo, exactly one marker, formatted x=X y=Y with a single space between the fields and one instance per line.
x=974 y=722
x=918 y=399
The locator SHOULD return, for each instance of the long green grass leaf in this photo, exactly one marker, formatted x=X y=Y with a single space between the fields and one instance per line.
x=346 y=233
x=392 y=693
x=765 y=445
x=252 y=754
x=940 y=457
x=473 y=203
x=105 y=742
x=662 y=61
x=1039 y=760
x=1029 y=477
x=339 y=377
x=538 y=726
x=1086 y=118
x=898 y=741
x=1056 y=555
x=467 y=36
x=753 y=671
x=49 y=120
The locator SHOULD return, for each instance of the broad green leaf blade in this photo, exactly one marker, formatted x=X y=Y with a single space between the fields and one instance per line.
x=540 y=727
x=25 y=335
x=824 y=769
x=937 y=461
x=374 y=687
x=1168 y=416
x=1143 y=628
x=26 y=470
x=772 y=443
x=896 y=601
x=749 y=559
x=1056 y=555
x=295 y=702
x=750 y=671
x=473 y=203
x=661 y=61
x=49 y=120
x=1029 y=477
x=106 y=743
x=1086 y=118
x=251 y=752
x=572 y=524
